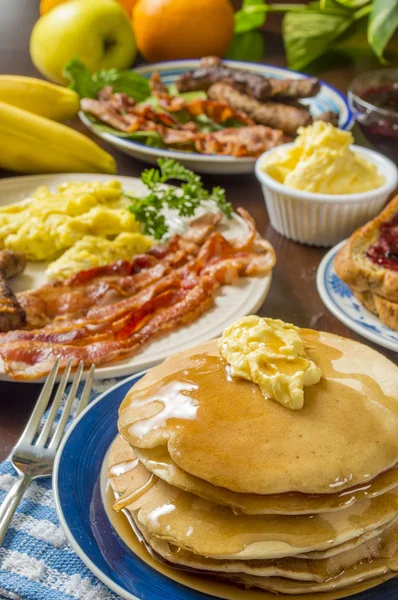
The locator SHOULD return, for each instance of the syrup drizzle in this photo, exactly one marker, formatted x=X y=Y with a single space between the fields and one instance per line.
x=132 y=496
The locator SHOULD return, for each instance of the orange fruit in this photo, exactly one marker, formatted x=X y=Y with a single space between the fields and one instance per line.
x=128 y=5
x=173 y=29
x=46 y=5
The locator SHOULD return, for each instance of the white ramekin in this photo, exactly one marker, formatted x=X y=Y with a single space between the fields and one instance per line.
x=324 y=219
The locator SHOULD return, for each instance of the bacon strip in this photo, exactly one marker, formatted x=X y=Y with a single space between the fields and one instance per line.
x=105 y=285
x=241 y=141
x=118 y=328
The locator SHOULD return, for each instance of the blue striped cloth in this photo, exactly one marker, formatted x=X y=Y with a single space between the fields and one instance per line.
x=36 y=561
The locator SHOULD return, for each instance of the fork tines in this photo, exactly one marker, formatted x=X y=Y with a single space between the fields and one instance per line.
x=45 y=436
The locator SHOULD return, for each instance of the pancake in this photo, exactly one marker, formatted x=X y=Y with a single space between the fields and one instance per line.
x=298 y=569
x=214 y=531
x=159 y=462
x=122 y=459
x=361 y=572
x=222 y=430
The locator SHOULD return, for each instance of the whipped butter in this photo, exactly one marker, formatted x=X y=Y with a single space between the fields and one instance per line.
x=321 y=161
x=271 y=354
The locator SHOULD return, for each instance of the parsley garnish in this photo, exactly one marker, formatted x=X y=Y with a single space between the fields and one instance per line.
x=185 y=198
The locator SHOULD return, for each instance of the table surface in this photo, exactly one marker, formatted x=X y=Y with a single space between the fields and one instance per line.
x=293 y=296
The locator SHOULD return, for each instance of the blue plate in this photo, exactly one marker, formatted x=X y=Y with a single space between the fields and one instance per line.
x=329 y=98
x=78 y=499
x=339 y=299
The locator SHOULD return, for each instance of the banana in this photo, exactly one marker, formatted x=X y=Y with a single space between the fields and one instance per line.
x=33 y=144
x=40 y=97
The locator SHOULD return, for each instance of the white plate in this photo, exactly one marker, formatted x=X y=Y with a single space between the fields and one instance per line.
x=339 y=299
x=231 y=303
x=329 y=98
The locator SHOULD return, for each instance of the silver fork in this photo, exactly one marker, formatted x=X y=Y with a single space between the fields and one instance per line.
x=33 y=458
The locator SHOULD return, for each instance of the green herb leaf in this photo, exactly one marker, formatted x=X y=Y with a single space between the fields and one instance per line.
x=252 y=15
x=185 y=199
x=127 y=82
x=80 y=78
x=247 y=46
x=88 y=85
x=383 y=22
x=309 y=34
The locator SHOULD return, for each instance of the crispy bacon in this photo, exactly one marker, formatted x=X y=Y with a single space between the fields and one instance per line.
x=219 y=112
x=241 y=141
x=157 y=87
x=29 y=360
x=189 y=271
x=108 y=284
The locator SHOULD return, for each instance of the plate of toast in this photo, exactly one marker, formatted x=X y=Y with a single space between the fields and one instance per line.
x=358 y=279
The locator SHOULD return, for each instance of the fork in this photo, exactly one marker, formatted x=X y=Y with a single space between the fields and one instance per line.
x=34 y=454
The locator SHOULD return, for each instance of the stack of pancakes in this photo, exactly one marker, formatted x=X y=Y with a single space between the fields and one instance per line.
x=220 y=480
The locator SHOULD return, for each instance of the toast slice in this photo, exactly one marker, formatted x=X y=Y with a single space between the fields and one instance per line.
x=373 y=284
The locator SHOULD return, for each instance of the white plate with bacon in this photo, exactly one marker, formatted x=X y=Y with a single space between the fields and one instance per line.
x=209 y=274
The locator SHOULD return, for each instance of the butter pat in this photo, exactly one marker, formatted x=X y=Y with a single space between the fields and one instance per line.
x=271 y=354
x=321 y=161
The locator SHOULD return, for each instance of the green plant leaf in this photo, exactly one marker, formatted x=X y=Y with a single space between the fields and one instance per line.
x=353 y=3
x=247 y=46
x=329 y=6
x=128 y=82
x=81 y=79
x=383 y=22
x=251 y=16
x=88 y=85
x=309 y=34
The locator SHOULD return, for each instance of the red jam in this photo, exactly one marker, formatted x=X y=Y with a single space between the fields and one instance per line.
x=383 y=96
x=380 y=130
x=385 y=252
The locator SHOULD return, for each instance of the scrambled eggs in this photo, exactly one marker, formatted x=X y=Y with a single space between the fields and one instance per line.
x=93 y=251
x=81 y=222
x=321 y=161
x=270 y=353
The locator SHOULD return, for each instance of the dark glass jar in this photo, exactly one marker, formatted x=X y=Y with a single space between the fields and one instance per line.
x=373 y=97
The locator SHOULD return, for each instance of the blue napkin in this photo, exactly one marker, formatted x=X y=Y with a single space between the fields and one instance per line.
x=36 y=560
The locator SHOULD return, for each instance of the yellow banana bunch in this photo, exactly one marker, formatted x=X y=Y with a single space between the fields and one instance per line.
x=34 y=144
x=40 y=97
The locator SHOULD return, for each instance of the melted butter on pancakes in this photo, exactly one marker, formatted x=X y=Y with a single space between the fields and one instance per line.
x=219 y=428
x=271 y=354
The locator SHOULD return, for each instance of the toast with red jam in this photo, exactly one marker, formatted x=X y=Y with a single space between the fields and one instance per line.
x=368 y=264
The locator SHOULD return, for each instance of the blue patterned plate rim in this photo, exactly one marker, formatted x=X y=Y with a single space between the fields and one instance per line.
x=178 y=66
x=365 y=323
x=83 y=517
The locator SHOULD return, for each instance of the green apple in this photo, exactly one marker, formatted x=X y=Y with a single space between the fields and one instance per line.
x=98 y=32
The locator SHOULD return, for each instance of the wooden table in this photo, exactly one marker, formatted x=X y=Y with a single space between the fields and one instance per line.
x=293 y=296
